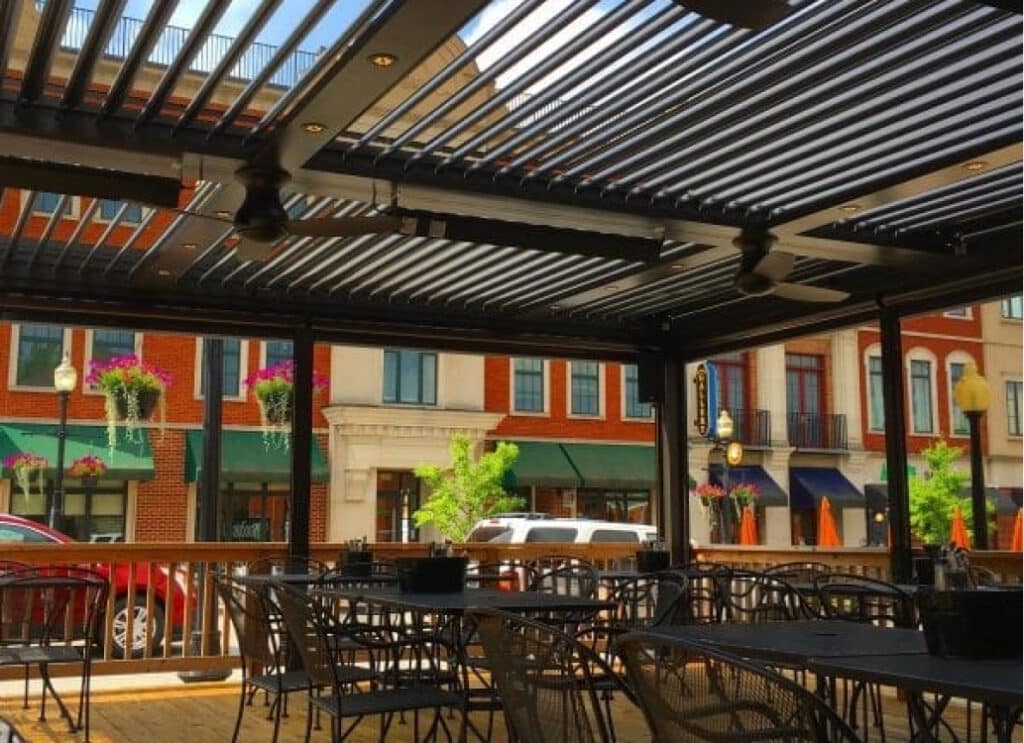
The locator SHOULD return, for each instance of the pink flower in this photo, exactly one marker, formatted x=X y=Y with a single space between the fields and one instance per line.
x=283 y=371
x=127 y=369
x=87 y=466
x=25 y=460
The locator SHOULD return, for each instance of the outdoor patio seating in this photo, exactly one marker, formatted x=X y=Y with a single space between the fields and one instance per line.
x=690 y=691
x=749 y=596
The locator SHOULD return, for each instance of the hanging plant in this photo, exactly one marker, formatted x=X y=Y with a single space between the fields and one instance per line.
x=273 y=387
x=24 y=466
x=743 y=495
x=134 y=389
x=89 y=467
x=711 y=497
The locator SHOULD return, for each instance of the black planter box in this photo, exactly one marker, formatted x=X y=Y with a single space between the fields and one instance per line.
x=431 y=574
x=356 y=564
x=979 y=623
x=652 y=561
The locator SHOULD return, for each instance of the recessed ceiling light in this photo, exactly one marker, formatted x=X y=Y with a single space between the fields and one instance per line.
x=382 y=59
x=556 y=307
x=223 y=213
x=612 y=288
x=974 y=165
x=163 y=272
x=314 y=127
x=189 y=246
x=849 y=208
x=677 y=266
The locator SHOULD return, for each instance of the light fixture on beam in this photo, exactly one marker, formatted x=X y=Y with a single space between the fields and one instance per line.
x=382 y=59
x=975 y=165
x=850 y=208
x=314 y=127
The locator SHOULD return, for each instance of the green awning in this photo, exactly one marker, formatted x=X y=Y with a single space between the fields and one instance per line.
x=246 y=457
x=131 y=458
x=613 y=466
x=542 y=464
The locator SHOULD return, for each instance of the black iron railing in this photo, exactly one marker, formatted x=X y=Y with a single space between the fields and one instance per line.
x=817 y=430
x=752 y=427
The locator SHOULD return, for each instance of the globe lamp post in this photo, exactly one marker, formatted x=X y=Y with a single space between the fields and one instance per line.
x=973 y=397
x=65 y=379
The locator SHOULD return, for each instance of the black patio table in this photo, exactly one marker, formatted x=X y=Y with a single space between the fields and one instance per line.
x=312 y=579
x=994 y=683
x=794 y=643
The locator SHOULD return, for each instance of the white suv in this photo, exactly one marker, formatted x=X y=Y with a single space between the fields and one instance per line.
x=518 y=528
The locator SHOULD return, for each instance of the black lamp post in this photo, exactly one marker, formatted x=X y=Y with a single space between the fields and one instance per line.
x=65 y=379
x=973 y=397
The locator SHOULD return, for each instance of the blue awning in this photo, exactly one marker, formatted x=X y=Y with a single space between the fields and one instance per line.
x=770 y=492
x=807 y=486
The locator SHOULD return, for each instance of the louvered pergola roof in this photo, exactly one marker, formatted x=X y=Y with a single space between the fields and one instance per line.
x=631 y=141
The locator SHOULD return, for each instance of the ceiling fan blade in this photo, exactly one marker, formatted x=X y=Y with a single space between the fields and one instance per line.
x=807 y=293
x=82 y=180
x=343 y=226
x=753 y=14
x=776 y=266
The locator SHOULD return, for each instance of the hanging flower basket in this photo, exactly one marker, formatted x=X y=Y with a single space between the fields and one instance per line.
x=743 y=495
x=89 y=469
x=274 y=387
x=27 y=466
x=133 y=388
x=711 y=498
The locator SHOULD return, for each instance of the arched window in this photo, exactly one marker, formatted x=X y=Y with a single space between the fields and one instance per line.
x=873 y=377
x=956 y=364
x=921 y=364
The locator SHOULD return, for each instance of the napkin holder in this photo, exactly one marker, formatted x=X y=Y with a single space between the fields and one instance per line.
x=431 y=574
x=356 y=564
x=976 y=623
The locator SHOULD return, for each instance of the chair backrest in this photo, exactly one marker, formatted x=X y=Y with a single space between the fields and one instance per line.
x=290 y=565
x=857 y=598
x=692 y=692
x=646 y=601
x=51 y=605
x=545 y=680
x=798 y=572
x=570 y=578
x=508 y=576
x=256 y=627
x=309 y=632
x=755 y=597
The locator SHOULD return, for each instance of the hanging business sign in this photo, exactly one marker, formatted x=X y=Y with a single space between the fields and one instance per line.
x=706 y=382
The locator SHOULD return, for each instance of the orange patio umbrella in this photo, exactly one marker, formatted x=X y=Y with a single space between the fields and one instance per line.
x=958 y=530
x=828 y=536
x=1017 y=545
x=748 y=527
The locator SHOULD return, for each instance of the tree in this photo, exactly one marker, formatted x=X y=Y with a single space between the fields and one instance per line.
x=935 y=496
x=468 y=490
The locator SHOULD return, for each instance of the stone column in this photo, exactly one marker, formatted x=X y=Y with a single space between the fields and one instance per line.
x=846 y=369
x=771 y=389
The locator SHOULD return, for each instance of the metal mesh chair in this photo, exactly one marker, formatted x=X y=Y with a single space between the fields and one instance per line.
x=857 y=598
x=690 y=691
x=565 y=576
x=548 y=681
x=704 y=602
x=756 y=597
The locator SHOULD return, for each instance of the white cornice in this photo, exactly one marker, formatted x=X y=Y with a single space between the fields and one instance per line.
x=416 y=422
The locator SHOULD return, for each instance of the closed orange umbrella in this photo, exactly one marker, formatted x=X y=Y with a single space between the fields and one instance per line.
x=748 y=527
x=1017 y=545
x=958 y=530
x=828 y=536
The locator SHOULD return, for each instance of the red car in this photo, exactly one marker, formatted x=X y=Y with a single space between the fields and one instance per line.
x=19 y=529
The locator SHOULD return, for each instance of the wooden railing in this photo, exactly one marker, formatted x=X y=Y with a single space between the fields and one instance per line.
x=179 y=634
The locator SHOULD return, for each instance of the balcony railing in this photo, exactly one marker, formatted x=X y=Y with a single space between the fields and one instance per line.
x=250 y=64
x=752 y=427
x=817 y=430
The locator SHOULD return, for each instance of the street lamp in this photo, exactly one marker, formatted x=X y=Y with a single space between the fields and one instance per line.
x=973 y=397
x=65 y=379
x=732 y=453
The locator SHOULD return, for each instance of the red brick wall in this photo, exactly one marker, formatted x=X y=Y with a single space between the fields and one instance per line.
x=557 y=424
x=161 y=507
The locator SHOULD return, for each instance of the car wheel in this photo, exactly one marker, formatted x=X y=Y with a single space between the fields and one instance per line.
x=134 y=647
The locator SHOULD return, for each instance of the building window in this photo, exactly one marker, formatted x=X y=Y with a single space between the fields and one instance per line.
x=106 y=344
x=805 y=389
x=585 y=383
x=962 y=313
x=732 y=382
x=528 y=385
x=109 y=209
x=89 y=514
x=232 y=367
x=277 y=352
x=921 y=396
x=410 y=377
x=631 y=384
x=632 y=507
x=1011 y=308
x=958 y=421
x=876 y=401
x=254 y=512
x=40 y=348
x=1013 y=393
x=46 y=203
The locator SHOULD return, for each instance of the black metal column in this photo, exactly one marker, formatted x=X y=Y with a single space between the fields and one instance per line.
x=979 y=518
x=894 y=398
x=302 y=444
x=57 y=500
x=674 y=475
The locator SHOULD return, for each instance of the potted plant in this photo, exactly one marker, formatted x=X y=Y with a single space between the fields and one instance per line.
x=24 y=466
x=743 y=495
x=710 y=497
x=273 y=387
x=133 y=388
x=89 y=468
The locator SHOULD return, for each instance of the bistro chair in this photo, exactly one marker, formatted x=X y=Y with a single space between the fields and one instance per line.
x=755 y=597
x=345 y=691
x=548 y=681
x=290 y=565
x=689 y=691
x=504 y=576
x=50 y=616
x=264 y=660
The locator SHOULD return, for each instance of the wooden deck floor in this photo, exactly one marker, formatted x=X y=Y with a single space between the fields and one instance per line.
x=205 y=713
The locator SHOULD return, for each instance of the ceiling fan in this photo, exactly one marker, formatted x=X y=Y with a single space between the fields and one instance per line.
x=763 y=271
x=752 y=14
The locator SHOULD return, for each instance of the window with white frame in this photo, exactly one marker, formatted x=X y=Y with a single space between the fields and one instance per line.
x=922 y=411
x=528 y=385
x=876 y=399
x=276 y=352
x=957 y=420
x=410 y=377
x=585 y=388
x=233 y=364
x=108 y=343
x=1012 y=308
x=109 y=209
x=46 y=203
x=1013 y=395
x=961 y=313
x=39 y=351
x=631 y=386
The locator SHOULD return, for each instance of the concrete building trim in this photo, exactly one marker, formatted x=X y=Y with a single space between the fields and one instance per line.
x=243 y=371
x=872 y=351
x=602 y=411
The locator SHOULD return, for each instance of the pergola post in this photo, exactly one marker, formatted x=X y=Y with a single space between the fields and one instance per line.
x=302 y=444
x=894 y=399
x=209 y=476
x=673 y=460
